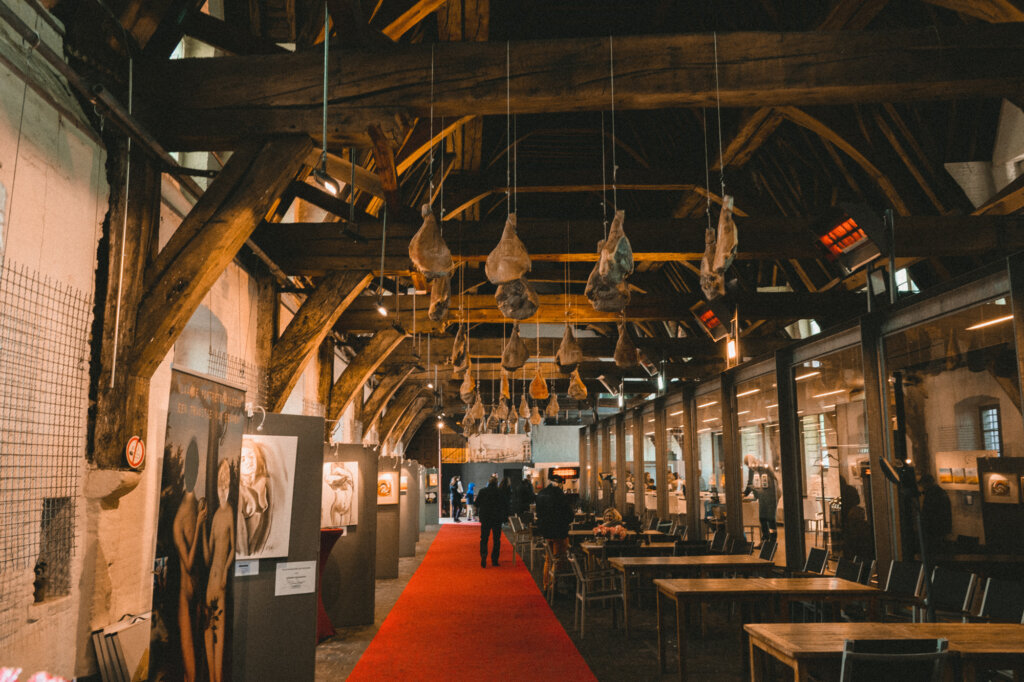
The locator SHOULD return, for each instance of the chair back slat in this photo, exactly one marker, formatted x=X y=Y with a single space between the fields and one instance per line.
x=905 y=578
x=952 y=589
x=1003 y=601
x=817 y=559
x=869 y=660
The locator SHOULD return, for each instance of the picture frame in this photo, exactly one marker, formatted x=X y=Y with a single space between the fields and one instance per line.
x=387 y=487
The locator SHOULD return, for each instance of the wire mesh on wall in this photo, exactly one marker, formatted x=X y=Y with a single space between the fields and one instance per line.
x=44 y=391
x=238 y=371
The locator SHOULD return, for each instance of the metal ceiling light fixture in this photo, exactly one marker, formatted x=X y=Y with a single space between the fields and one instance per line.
x=320 y=174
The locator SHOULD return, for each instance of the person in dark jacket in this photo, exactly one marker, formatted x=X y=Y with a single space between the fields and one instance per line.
x=554 y=515
x=505 y=488
x=936 y=513
x=524 y=496
x=491 y=509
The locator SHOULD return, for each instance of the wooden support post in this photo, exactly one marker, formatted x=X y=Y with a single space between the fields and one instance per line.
x=585 y=493
x=606 y=463
x=691 y=463
x=325 y=373
x=639 y=500
x=209 y=238
x=121 y=409
x=884 y=510
x=362 y=367
x=661 y=457
x=308 y=328
x=731 y=457
x=592 y=463
x=790 y=460
x=385 y=390
x=620 y=463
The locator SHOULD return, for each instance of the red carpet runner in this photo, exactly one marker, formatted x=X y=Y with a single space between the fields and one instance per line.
x=455 y=620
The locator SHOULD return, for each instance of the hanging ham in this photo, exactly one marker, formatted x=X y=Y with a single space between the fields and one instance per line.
x=615 y=261
x=512 y=423
x=569 y=351
x=467 y=391
x=440 y=298
x=605 y=295
x=427 y=249
x=517 y=299
x=535 y=417
x=515 y=354
x=577 y=389
x=538 y=387
x=524 y=407
x=552 y=409
x=509 y=259
x=625 y=349
x=459 y=357
x=506 y=392
x=725 y=250
x=478 y=410
x=502 y=409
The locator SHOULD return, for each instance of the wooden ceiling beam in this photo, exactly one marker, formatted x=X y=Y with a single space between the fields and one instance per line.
x=311 y=324
x=994 y=11
x=227 y=37
x=398 y=17
x=405 y=435
x=394 y=434
x=360 y=369
x=406 y=397
x=385 y=390
x=210 y=103
x=243 y=195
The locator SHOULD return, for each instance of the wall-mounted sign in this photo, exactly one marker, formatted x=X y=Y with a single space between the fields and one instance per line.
x=568 y=473
x=135 y=452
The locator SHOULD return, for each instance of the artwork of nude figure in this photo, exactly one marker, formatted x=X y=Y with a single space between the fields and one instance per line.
x=188 y=523
x=340 y=502
x=254 y=499
x=219 y=552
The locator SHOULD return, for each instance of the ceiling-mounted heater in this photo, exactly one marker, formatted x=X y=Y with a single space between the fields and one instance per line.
x=851 y=235
x=709 y=320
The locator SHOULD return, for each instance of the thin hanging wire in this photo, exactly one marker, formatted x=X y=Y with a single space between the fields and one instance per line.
x=440 y=215
x=604 y=180
x=430 y=193
x=327 y=35
x=383 y=240
x=718 y=106
x=515 y=163
x=707 y=170
x=615 y=167
x=124 y=225
x=508 y=126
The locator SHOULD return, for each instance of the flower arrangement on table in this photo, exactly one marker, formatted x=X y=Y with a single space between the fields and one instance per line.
x=617 y=532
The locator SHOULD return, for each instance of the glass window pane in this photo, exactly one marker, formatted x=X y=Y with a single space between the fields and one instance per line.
x=757 y=414
x=711 y=477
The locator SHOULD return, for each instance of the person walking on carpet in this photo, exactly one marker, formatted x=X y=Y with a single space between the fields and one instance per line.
x=491 y=508
x=470 y=494
x=455 y=493
x=554 y=515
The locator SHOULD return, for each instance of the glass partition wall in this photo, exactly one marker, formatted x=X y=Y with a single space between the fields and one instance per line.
x=835 y=490
x=676 y=474
x=757 y=417
x=711 y=476
x=954 y=395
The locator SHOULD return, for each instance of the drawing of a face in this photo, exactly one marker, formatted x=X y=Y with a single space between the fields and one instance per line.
x=223 y=481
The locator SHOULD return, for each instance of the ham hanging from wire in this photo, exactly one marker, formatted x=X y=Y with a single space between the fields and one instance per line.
x=535 y=417
x=538 y=387
x=569 y=351
x=515 y=354
x=427 y=249
x=725 y=250
x=577 y=389
x=502 y=409
x=509 y=259
x=506 y=391
x=440 y=298
x=605 y=295
x=552 y=409
x=517 y=299
x=625 y=349
x=467 y=391
x=459 y=357
x=524 y=407
x=478 y=410
x=615 y=260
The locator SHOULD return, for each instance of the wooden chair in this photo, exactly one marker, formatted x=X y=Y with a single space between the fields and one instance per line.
x=952 y=593
x=848 y=569
x=817 y=560
x=602 y=586
x=521 y=539
x=560 y=569
x=870 y=660
x=767 y=551
x=903 y=589
x=717 y=544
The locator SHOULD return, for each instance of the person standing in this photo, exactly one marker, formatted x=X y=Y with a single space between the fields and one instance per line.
x=554 y=515
x=762 y=484
x=492 y=508
x=455 y=495
x=524 y=496
x=470 y=494
x=936 y=514
x=505 y=488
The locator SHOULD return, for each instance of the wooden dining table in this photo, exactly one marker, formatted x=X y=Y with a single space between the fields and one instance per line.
x=668 y=566
x=818 y=647
x=773 y=594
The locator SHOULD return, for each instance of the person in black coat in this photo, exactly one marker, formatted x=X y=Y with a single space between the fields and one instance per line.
x=524 y=496
x=491 y=508
x=554 y=515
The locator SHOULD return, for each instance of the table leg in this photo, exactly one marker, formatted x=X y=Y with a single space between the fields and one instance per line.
x=661 y=641
x=757 y=662
x=681 y=637
x=799 y=672
x=625 y=600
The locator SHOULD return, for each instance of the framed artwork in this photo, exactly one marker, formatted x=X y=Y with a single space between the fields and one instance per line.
x=431 y=480
x=387 y=487
x=958 y=469
x=265 y=487
x=1000 y=488
x=431 y=497
x=339 y=505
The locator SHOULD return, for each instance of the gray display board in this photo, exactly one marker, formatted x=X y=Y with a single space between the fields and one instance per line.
x=347 y=584
x=275 y=636
x=409 y=528
x=421 y=479
x=433 y=508
x=388 y=523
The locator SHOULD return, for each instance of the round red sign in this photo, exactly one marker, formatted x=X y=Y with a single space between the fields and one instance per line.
x=135 y=452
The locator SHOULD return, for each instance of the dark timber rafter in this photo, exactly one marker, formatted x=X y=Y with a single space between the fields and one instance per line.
x=362 y=367
x=394 y=434
x=310 y=326
x=384 y=391
x=241 y=197
x=211 y=102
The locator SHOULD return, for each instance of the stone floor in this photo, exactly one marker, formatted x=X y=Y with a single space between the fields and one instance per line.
x=716 y=657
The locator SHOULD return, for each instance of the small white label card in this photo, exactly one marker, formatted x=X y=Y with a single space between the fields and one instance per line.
x=295 y=577
x=247 y=567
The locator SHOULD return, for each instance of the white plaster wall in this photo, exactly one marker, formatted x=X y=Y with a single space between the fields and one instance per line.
x=53 y=178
